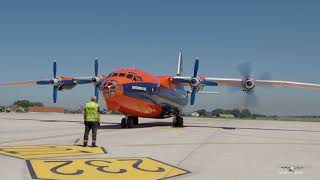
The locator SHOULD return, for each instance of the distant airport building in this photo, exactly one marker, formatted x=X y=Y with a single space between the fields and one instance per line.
x=46 y=109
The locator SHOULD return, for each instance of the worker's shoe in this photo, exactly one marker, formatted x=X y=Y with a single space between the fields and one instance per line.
x=94 y=145
x=85 y=145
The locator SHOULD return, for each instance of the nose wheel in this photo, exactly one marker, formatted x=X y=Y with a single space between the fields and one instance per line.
x=177 y=121
x=129 y=122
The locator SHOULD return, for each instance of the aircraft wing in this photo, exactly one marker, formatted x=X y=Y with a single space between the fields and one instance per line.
x=287 y=84
x=64 y=83
x=226 y=82
x=23 y=83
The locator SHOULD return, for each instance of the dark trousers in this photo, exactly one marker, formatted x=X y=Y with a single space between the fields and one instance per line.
x=90 y=126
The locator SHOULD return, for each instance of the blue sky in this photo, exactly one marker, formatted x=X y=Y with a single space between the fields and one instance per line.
x=281 y=37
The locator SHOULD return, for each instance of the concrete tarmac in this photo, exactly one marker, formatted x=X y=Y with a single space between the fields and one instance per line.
x=204 y=149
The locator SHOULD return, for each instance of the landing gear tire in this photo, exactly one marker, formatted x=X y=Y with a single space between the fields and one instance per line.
x=130 y=122
x=135 y=120
x=178 y=121
x=124 y=123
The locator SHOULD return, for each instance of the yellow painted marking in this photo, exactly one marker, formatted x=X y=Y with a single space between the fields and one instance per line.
x=104 y=168
x=48 y=151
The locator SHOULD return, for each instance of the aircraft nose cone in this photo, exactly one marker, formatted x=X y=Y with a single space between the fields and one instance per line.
x=110 y=89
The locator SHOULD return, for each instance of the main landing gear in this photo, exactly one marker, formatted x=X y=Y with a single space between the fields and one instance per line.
x=177 y=120
x=129 y=122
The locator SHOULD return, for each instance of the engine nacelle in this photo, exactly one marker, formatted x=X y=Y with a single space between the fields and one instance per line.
x=248 y=85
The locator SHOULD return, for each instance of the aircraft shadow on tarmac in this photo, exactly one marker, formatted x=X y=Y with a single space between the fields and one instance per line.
x=168 y=124
x=157 y=124
x=140 y=125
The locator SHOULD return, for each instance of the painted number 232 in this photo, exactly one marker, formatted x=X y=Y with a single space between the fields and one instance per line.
x=102 y=168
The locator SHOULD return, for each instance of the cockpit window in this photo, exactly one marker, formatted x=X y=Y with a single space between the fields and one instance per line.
x=135 y=78
x=129 y=76
x=115 y=74
x=139 y=78
x=122 y=74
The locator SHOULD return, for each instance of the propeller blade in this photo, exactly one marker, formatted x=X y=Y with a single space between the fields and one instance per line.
x=245 y=69
x=193 y=96
x=55 y=94
x=96 y=92
x=251 y=100
x=54 y=69
x=196 y=68
x=96 y=67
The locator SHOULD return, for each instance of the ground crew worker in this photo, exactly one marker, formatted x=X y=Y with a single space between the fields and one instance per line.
x=91 y=120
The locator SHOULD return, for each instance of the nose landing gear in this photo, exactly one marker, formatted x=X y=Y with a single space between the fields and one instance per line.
x=177 y=121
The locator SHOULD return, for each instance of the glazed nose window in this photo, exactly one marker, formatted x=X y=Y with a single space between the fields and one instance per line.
x=110 y=88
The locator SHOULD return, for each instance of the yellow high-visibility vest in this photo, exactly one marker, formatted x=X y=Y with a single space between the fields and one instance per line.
x=92 y=112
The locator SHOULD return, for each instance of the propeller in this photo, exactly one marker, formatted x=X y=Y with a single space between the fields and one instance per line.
x=97 y=80
x=195 y=75
x=196 y=82
x=245 y=69
x=55 y=88
x=56 y=82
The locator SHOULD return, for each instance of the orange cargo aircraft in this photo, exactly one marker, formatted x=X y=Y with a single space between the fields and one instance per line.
x=136 y=93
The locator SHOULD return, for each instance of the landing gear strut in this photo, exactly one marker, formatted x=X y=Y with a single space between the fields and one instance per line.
x=129 y=122
x=177 y=120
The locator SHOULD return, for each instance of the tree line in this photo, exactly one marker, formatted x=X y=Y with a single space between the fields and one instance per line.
x=237 y=113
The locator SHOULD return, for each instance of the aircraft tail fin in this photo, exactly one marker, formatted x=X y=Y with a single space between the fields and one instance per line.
x=180 y=64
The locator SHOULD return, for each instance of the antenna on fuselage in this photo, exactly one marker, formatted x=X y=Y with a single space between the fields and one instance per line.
x=180 y=64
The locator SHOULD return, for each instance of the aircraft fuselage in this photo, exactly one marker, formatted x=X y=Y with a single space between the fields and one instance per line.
x=133 y=92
